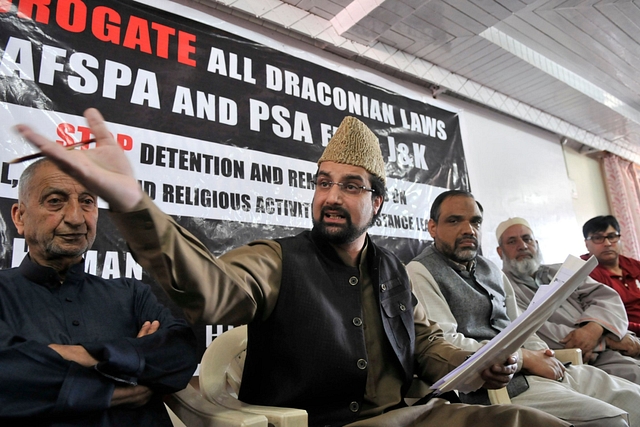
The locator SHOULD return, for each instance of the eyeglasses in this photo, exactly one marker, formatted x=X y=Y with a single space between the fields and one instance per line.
x=599 y=238
x=346 y=187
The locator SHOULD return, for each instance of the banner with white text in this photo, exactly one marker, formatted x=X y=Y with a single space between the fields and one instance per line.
x=223 y=133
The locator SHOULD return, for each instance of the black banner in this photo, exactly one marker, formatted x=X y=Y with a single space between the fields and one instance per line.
x=223 y=132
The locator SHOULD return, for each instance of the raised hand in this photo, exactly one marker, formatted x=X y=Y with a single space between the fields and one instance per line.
x=103 y=170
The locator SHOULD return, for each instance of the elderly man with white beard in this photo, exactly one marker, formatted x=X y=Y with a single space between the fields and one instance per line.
x=592 y=318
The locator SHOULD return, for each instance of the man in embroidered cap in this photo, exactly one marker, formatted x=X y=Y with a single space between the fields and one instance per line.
x=333 y=325
x=593 y=317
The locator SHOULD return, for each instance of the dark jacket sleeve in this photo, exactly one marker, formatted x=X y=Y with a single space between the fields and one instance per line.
x=164 y=361
x=35 y=380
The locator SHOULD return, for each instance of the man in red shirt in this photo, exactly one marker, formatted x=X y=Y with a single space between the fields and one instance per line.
x=602 y=238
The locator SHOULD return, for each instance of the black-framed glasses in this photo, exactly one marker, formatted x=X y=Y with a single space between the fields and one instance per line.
x=599 y=238
x=349 y=188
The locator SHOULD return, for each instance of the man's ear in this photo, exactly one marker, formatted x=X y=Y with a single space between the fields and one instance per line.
x=499 y=249
x=432 y=226
x=17 y=211
x=377 y=204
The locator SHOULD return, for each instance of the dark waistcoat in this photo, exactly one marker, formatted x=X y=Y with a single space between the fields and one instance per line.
x=481 y=289
x=310 y=353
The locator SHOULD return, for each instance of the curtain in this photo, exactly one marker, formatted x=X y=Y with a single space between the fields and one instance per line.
x=622 y=179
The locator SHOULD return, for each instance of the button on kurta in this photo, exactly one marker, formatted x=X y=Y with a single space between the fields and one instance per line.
x=354 y=406
x=357 y=321
x=383 y=287
x=75 y=323
x=402 y=307
x=353 y=280
x=362 y=364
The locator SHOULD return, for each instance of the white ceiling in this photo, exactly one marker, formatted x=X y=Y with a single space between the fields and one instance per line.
x=569 y=66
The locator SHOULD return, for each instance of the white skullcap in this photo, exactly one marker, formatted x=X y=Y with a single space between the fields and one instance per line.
x=502 y=227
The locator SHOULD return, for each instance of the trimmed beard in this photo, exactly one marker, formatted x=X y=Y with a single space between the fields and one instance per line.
x=458 y=255
x=345 y=235
x=524 y=267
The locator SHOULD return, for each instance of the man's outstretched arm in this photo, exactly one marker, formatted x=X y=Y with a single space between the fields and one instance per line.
x=184 y=267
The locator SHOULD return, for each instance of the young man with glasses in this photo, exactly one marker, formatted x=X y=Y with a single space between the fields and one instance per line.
x=602 y=238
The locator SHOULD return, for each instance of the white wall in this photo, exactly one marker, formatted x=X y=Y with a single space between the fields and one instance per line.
x=590 y=193
x=519 y=170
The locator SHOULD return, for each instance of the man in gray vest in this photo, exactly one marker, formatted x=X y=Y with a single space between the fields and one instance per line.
x=593 y=318
x=472 y=301
x=333 y=325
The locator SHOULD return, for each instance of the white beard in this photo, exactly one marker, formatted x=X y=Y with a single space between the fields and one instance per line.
x=524 y=267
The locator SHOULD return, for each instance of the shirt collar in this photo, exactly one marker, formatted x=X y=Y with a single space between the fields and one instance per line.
x=623 y=263
x=47 y=276
x=363 y=255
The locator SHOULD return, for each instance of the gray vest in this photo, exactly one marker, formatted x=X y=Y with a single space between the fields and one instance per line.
x=478 y=302
x=481 y=289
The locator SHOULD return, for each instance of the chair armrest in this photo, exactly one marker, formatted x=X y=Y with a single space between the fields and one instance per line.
x=499 y=396
x=276 y=416
x=194 y=411
x=221 y=375
x=573 y=355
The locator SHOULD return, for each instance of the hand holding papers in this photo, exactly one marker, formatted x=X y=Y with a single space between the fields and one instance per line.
x=466 y=377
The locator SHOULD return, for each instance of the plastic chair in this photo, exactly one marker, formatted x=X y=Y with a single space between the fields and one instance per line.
x=188 y=408
x=221 y=374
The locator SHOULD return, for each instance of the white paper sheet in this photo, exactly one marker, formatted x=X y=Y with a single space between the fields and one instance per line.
x=466 y=377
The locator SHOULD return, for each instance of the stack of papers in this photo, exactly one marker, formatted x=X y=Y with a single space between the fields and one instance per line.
x=466 y=377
